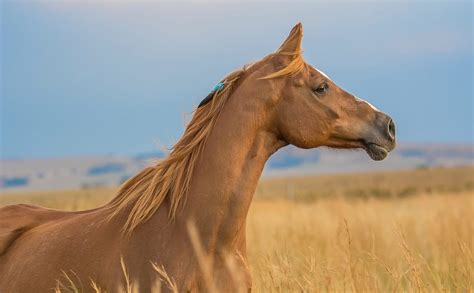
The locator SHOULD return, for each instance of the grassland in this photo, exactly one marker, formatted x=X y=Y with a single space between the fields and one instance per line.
x=379 y=232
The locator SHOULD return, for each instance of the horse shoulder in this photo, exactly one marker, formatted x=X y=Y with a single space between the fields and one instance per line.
x=17 y=219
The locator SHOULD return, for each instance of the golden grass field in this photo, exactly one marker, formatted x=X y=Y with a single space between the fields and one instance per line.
x=374 y=232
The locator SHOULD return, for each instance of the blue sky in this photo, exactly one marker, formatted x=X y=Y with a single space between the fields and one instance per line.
x=83 y=78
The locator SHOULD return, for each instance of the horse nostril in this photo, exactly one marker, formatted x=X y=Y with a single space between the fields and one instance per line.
x=391 y=129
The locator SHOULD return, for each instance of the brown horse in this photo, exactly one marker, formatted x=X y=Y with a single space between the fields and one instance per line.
x=208 y=180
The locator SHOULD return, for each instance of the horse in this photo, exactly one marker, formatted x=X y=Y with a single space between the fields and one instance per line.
x=185 y=216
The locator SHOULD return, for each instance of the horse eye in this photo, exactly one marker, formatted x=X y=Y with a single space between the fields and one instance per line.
x=323 y=88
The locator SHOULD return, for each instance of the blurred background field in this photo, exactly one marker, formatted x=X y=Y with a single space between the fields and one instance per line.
x=383 y=185
x=366 y=232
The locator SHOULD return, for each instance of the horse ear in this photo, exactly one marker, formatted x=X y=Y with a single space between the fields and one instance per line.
x=292 y=44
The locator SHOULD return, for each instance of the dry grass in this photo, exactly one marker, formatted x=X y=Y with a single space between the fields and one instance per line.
x=393 y=184
x=365 y=241
x=422 y=243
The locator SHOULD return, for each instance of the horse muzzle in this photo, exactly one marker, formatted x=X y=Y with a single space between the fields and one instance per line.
x=382 y=140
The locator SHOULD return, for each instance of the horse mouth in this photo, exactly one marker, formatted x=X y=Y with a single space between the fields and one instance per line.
x=375 y=151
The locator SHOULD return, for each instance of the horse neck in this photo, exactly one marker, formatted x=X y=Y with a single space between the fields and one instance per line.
x=226 y=175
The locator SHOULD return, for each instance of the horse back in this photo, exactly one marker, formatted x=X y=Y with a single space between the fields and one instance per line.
x=17 y=219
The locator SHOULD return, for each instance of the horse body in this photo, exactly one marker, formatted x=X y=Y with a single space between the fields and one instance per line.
x=68 y=242
x=188 y=213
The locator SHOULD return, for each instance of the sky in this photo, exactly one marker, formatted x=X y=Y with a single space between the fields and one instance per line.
x=94 y=78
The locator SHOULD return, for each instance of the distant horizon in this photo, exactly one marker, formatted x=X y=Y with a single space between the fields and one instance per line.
x=157 y=150
x=98 y=78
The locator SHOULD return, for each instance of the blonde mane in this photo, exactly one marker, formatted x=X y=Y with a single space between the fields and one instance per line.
x=171 y=177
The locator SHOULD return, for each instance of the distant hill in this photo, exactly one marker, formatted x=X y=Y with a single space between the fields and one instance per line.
x=294 y=161
x=87 y=172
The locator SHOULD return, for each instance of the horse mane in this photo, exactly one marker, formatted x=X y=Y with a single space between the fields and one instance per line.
x=171 y=177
